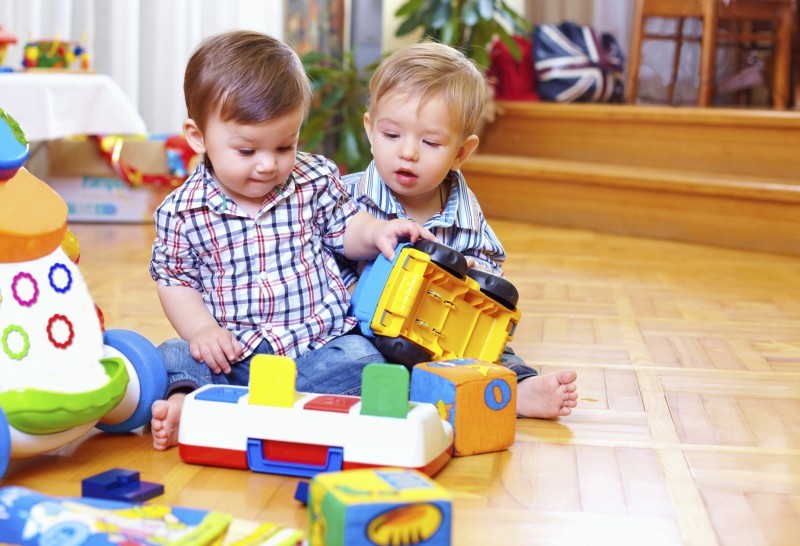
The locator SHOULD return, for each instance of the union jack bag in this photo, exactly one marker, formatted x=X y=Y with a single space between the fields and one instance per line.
x=573 y=65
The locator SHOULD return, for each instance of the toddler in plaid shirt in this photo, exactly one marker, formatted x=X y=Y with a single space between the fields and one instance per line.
x=245 y=251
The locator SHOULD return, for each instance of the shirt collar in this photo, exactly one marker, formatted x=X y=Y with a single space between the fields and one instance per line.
x=460 y=209
x=202 y=191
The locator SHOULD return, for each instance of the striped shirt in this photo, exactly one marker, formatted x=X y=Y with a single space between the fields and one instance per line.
x=273 y=277
x=460 y=224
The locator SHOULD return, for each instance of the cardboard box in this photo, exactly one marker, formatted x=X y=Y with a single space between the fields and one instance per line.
x=93 y=191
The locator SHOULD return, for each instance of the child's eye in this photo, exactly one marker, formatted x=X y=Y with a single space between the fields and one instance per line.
x=246 y=152
x=390 y=136
x=431 y=143
x=284 y=149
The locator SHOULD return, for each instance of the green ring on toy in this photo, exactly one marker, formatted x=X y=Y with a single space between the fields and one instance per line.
x=150 y=371
x=35 y=411
x=26 y=344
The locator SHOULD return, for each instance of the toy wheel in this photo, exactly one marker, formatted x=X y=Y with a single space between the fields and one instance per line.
x=5 y=443
x=445 y=257
x=399 y=350
x=497 y=288
x=150 y=372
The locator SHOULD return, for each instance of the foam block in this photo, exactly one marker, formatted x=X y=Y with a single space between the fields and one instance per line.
x=478 y=398
x=378 y=506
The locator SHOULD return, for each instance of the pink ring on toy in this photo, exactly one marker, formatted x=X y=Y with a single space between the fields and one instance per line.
x=70 y=329
x=23 y=302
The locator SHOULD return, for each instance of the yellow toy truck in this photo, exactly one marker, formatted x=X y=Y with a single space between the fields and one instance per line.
x=427 y=305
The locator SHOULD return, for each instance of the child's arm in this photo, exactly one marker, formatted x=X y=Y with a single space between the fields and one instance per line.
x=365 y=236
x=208 y=341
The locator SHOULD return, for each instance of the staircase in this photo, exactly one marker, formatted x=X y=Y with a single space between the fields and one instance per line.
x=721 y=177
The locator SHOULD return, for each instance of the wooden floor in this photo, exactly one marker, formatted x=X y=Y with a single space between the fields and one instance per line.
x=688 y=424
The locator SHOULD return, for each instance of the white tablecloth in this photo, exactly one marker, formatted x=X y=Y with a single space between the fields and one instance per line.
x=57 y=105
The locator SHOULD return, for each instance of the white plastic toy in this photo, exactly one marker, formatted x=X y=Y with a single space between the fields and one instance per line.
x=271 y=428
x=60 y=373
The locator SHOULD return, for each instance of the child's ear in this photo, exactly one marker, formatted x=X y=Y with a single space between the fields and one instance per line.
x=368 y=128
x=194 y=136
x=466 y=149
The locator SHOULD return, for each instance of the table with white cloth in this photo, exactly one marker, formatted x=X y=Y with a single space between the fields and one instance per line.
x=55 y=105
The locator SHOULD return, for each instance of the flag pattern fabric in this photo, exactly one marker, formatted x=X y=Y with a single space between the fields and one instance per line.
x=573 y=64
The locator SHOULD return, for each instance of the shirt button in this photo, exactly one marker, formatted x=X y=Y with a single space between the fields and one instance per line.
x=263 y=276
x=267 y=327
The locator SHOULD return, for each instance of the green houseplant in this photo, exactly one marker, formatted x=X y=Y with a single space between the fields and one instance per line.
x=335 y=124
x=468 y=25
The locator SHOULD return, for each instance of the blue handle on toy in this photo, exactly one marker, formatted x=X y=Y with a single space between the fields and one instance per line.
x=369 y=289
x=259 y=463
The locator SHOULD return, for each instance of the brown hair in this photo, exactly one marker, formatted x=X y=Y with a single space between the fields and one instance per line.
x=431 y=69
x=244 y=76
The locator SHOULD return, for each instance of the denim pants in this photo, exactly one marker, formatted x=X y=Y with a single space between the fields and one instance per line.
x=510 y=360
x=334 y=368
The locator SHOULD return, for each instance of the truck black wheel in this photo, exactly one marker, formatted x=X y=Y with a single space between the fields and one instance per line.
x=497 y=288
x=399 y=350
x=445 y=257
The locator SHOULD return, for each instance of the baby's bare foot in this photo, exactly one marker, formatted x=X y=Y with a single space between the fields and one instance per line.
x=547 y=396
x=166 y=421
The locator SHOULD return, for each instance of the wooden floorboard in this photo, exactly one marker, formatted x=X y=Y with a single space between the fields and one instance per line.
x=688 y=424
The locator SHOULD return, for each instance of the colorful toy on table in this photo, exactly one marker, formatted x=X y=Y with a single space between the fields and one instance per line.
x=60 y=374
x=386 y=506
x=180 y=158
x=7 y=38
x=269 y=427
x=477 y=398
x=426 y=305
x=56 y=54
x=32 y=519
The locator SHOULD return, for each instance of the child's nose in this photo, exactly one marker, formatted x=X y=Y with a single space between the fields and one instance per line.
x=408 y=151
x=266 y=163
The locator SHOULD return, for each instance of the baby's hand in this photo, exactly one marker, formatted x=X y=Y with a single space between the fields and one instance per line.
x=215 y=346
x=392 y=232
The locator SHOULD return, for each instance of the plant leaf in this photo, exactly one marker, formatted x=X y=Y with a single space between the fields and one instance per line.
x=408 y=8
x=441 y=15
x=486 y=8
x=469 y=13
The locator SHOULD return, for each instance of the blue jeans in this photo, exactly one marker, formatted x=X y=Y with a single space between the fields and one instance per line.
x=334 y=368
x=514 y=363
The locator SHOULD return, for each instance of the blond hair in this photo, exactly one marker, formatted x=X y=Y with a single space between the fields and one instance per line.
x=246 y=77
x=431 y=69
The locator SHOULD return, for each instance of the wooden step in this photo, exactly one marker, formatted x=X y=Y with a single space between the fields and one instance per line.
x=567 y=165
x=740 y=142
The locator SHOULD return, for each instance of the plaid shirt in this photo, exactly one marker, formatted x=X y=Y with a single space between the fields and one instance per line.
x=271 y=278
x=460 y=224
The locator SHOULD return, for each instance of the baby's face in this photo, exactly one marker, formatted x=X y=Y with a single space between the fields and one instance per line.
x=250 y=160
x=414 y=145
